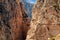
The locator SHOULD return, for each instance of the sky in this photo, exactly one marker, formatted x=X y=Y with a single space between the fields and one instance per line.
x=31 y=1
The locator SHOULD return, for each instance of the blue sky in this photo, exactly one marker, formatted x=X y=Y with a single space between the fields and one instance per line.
x=31 y=1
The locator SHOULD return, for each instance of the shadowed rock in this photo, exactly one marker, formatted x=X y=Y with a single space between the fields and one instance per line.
x=14 y=22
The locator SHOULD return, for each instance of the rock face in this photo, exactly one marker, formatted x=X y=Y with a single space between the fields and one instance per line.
x=14 y=22
x=45 y=22
x=28 y=7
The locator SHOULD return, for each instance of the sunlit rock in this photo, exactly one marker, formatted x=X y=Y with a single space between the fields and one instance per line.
x=45 y=20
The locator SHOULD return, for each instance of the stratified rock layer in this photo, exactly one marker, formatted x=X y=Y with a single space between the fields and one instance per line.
x=45 y=20
x=14 y=22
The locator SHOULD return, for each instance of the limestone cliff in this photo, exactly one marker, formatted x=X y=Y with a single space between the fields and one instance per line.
x=45 y=22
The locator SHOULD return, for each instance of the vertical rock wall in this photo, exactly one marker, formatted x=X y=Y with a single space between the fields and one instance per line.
x=14 y=21
x=45 y=22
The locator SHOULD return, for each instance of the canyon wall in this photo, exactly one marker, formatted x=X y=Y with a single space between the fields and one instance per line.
x=45 y=24
x=14 y=22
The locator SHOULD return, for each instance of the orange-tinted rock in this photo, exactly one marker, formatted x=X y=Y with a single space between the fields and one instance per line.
x=14 y=22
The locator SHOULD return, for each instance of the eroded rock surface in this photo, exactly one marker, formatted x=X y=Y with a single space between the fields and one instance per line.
x=14 y=22
x=45 y=20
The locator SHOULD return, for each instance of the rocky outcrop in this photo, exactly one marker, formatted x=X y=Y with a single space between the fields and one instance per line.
x=45 y=22
x=14 y=22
